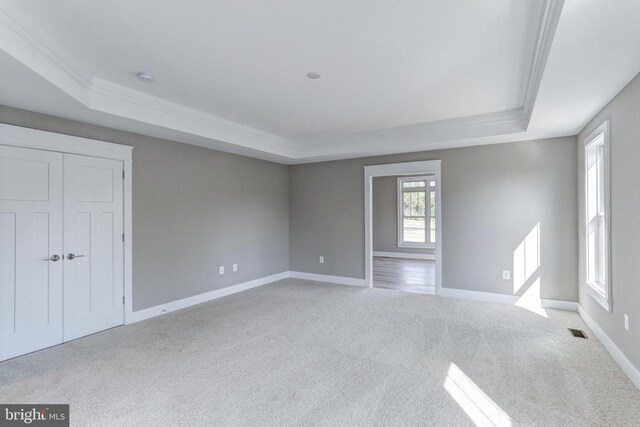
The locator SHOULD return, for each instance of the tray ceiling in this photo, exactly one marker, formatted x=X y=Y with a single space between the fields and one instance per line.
x=395 y=76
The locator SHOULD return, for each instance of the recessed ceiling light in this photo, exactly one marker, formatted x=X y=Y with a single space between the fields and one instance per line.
x=145 y=77
x=313 y=76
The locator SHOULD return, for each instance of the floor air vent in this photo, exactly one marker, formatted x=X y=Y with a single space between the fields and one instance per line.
x=578 y=333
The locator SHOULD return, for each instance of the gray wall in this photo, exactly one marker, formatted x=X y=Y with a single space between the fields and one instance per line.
x=492 y=196
x=385 y=217
x=194 y=209
x=624 y=115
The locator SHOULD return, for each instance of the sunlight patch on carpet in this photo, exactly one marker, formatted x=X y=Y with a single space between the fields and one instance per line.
x=474 y=402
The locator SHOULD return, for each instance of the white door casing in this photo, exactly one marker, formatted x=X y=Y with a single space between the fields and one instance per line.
x=397 y=169
x=31 y=307
x=93 y=245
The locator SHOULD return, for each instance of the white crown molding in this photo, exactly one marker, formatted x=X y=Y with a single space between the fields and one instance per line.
x=119 y=100
x=547 y=26
x=431 y=135
x=29 y=45
x=420 y=129
x=448 y=133
x=24 y=42
x=26 y=46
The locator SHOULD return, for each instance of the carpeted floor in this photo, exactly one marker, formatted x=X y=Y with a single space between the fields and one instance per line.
x=304 y=353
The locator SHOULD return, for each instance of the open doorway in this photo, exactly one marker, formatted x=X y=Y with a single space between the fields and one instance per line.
x=404 y=232
x=403 y=226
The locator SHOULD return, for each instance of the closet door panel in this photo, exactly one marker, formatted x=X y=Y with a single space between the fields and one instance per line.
x=31 y=266
x=93 y=206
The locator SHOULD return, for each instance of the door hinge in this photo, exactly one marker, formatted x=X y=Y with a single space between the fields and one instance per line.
x=122 y=300
x=122 y=174
x=123 y=237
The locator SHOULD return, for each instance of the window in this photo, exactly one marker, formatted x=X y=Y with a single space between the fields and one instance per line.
x=417 y=212
x=596 y=178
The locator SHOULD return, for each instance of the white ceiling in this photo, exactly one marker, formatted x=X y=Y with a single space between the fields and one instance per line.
x=396 y=76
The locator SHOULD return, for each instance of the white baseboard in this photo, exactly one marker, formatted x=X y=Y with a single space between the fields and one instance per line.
x=328 y=279
x=506 y=299
x=559 y=304
x=158 y=310
x=404 y=255
x=161 y=309
x=479 y=296
x=625 y=364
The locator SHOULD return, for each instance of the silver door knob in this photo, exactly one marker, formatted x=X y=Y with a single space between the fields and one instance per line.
x=53 y=258
x=72 y=256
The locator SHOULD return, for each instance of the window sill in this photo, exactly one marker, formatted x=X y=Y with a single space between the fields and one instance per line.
x=596 y=295
x=417 y=245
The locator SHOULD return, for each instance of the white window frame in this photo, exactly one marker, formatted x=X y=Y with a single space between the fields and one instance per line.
x=599 y=291
x=428 y=244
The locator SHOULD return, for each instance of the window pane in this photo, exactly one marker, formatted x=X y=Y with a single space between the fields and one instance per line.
x=600 y=163
x=413 y=230
x=432 y=184
x=421 y=201
x=432 y=231
x=413 y=184
x=413 y=203
x=602 y=268
x=592 y=180
x=406 y=204
x=591 y=252
x=432 y=206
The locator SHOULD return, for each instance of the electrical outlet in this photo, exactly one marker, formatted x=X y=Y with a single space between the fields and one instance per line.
x=235 y=267
x=506 y=274
x=626 y=321
x=321 y=260
x=221 y=270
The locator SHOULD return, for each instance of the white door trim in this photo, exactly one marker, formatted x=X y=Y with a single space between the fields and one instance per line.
x=17 y=136
x=42 y=140
x=394 y=169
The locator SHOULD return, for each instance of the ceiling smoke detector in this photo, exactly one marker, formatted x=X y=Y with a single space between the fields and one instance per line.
x=145 y=77
x=313 y=76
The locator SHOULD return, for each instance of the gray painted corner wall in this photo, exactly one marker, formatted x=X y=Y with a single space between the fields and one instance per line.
x=201 y=209
x=194 y=209
x=492 y=197
x=385 y=217
x=624 y=115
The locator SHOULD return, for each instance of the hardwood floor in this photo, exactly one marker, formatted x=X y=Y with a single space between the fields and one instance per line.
x=409 y=275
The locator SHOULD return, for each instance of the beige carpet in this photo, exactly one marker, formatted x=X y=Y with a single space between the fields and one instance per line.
x=304 y=353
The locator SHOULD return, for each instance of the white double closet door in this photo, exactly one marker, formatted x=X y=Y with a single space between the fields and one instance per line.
x=61 y=249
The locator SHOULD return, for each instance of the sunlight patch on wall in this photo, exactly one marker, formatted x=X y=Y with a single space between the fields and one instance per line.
x=526 y=258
